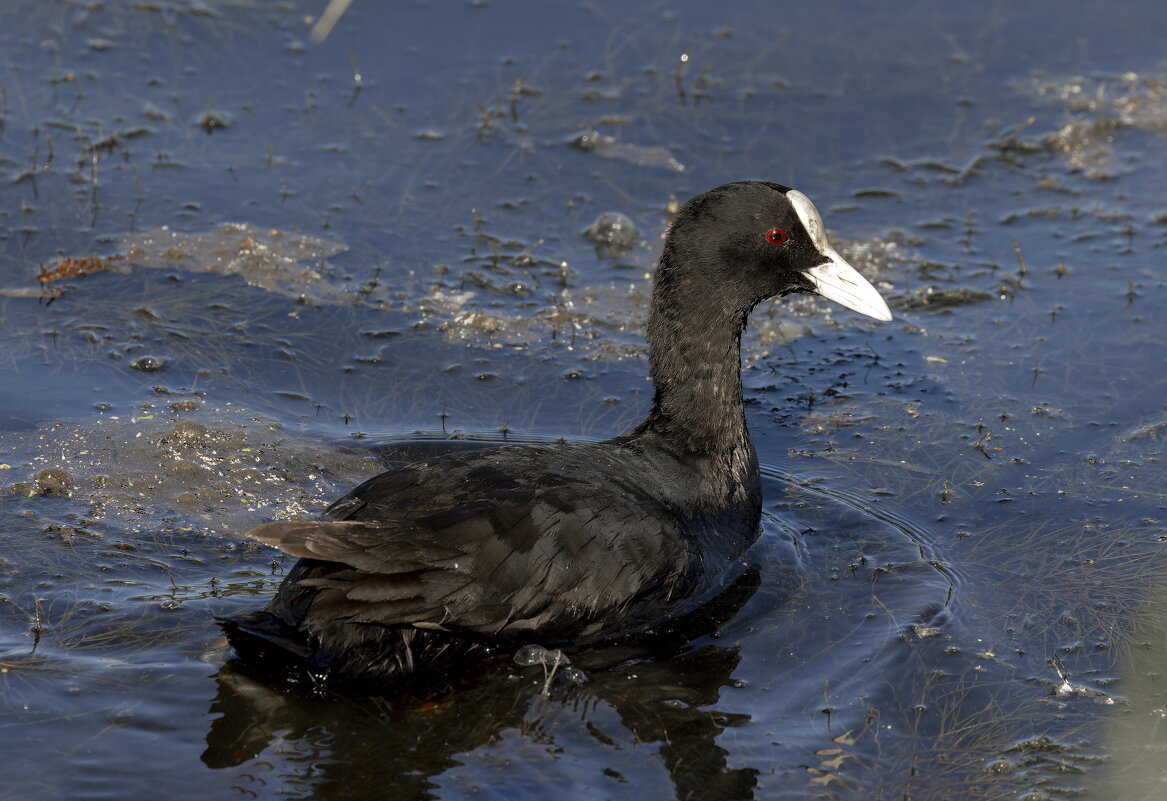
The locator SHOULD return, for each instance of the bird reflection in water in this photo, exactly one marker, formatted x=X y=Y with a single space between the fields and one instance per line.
x=661 y=688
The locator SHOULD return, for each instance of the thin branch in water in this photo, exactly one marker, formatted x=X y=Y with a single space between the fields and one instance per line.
x=332 y=14
x=358 y=79
x=678 y=76
x=1021 y=271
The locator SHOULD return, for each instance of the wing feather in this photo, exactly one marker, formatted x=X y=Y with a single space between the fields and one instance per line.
x=509 y=556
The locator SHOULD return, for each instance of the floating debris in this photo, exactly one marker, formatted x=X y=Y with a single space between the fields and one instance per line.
x=1101 y=108
x=71 y=267
x=592 y=142
x=52 y=481
x=286 y=263
x=933 y=298
x=180 y=469
x=213 y=120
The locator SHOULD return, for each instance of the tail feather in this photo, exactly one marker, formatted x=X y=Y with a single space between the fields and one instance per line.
x=261 y=638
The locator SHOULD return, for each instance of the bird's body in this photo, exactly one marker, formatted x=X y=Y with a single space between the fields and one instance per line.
x=568 y=543
x=421 y=567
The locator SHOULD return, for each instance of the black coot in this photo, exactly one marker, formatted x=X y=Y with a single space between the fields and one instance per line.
x=427 y=565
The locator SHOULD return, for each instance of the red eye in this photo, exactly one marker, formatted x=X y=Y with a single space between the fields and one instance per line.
x=775 y=236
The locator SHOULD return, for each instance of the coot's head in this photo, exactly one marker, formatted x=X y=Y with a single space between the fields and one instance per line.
x=744 y=242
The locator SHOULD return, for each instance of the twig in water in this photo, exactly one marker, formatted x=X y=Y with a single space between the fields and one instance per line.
x=332 y=14
x=358 y=79
x=1021 y=271
x=678 y=76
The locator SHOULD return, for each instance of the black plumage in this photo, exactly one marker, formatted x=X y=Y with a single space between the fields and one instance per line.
x=422 y=567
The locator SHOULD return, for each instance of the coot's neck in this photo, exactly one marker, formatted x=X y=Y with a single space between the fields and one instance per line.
x=694 y=347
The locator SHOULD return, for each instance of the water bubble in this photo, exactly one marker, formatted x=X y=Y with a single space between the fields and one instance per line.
x=613 y=234
x=575 y=675
x=531 y=655
x=148 y=364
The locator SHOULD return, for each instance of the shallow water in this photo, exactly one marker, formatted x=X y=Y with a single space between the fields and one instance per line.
x=235 y=278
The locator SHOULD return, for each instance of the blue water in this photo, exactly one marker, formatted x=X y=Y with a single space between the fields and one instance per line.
x=959 y=587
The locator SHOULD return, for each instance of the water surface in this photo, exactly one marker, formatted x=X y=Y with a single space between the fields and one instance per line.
x=240 y=270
